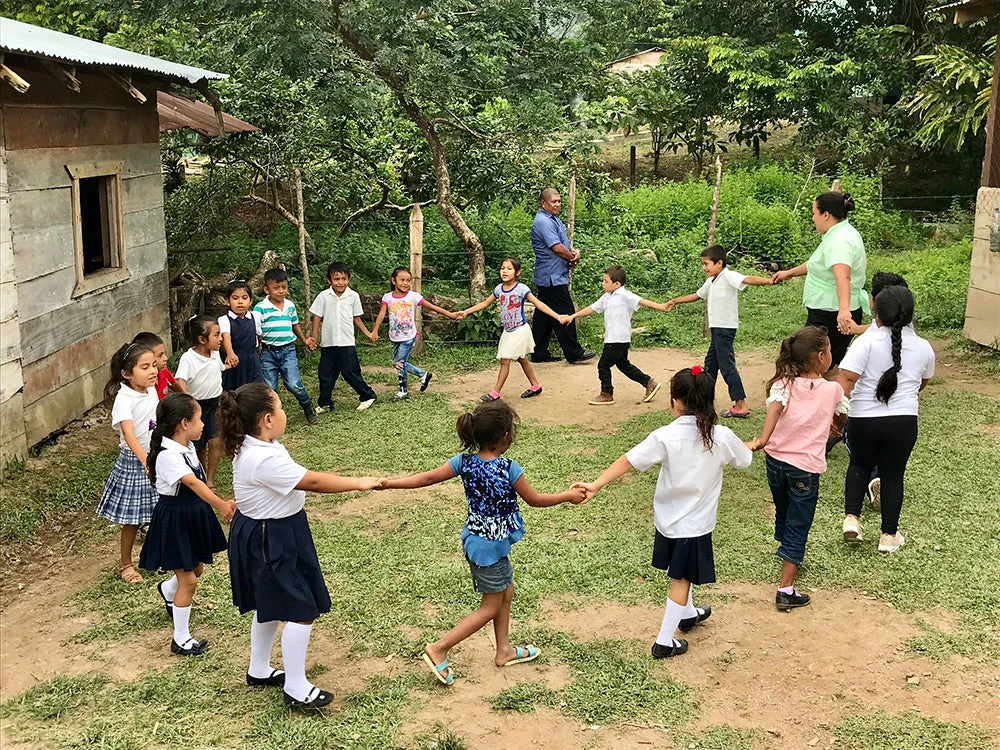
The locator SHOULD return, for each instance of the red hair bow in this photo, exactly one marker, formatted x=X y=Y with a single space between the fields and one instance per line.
x=697 y=370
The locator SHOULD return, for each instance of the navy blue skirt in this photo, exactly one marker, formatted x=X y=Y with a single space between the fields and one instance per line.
x=247 y=371
x=183 y=533
x=209 y=414
x=274 y=569
x=690 y=558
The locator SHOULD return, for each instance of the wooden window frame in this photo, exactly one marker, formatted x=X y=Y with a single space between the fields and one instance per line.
x=117 y=271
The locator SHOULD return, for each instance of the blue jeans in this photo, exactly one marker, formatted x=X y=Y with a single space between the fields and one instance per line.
x=795 y=494
x=722 y=357
x=400 y=354
x=284 y=362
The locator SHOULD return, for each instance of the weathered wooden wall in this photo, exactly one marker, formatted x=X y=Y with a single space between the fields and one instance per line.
x=982 y=313
x=66 y=343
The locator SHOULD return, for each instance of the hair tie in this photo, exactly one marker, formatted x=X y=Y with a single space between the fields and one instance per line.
x=237 y=281
x=697 y=370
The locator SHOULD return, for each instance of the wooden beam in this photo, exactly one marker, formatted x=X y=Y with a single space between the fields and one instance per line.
x=213 y=99
x=991 y=161
x=126 y=85
x=67 y=76
x=976 y=10
x=20 y=85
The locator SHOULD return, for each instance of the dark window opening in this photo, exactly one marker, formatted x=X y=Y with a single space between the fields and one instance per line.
x=96 y=225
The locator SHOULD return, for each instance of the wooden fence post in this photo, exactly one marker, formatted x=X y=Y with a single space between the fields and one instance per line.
x=303 y=260
x=712 y=222
x=571 y=220
x=631 y=165
x=417 y=266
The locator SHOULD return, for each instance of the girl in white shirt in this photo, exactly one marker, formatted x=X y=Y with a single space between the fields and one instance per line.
x=883 y=372
x=691 y=452
x=128 y=497
x=183 y=533
x=273 y=566
x=200 y=373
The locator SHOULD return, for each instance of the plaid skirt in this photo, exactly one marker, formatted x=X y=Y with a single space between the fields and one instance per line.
x=128 y=496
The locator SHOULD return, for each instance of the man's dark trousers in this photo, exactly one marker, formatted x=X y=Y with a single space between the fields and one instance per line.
x=559 y=299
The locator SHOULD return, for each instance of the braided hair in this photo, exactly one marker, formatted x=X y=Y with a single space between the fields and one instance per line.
x=894 y=310
x=695 y=388
x=170 y=412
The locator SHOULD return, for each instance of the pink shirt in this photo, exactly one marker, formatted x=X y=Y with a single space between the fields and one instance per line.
x=803 y=426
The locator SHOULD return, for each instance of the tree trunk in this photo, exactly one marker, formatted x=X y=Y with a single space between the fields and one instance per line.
x=657 y=149
x=756 y=147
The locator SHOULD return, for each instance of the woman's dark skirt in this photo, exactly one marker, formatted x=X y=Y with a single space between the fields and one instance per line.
x=247 y=371
x=274 y=569
x=838 y=341
x=183 y=533
x=690 y=558
x=209 y=411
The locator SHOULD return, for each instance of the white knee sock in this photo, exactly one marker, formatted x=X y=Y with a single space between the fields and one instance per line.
x=672 y=616
x=294 y=644
x=261 y=642
x=182 y=616
x=170 y=588
x=689 y=609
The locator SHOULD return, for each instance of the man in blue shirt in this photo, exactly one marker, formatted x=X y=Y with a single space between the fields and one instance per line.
x=554 y=257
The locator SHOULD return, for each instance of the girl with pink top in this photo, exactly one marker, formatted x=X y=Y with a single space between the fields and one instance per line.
x=801 y=405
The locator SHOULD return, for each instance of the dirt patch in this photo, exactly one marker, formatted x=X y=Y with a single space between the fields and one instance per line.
x=950 y=368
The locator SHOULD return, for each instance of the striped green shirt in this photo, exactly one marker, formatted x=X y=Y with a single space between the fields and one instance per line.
x=276 y=325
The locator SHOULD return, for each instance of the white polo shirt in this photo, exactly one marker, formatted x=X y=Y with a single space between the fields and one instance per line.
x=171 y=467
x=721 y=295
x=338 y=315
x=618 y=307
x=870 y=355
x=226 y=327
x=201 y=375
x=686 y=499
x=137 y=407
x=264 y=479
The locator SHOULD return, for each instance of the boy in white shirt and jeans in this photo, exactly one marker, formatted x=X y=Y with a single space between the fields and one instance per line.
x=720 y=292
x=618 y=305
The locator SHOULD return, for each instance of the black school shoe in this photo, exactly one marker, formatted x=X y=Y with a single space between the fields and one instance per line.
x=196 y=647
x=785 y=602
x=169 y=605
x=546 y=357
x=688 y=623
x=275 y=679
x=585 y=357
x=320 y=698
x=660 y=651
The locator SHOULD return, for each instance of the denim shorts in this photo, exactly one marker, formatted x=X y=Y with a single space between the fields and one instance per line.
x=492 y=579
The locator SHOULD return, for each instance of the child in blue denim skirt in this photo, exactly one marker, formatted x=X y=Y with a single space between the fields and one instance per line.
x=492 y=484
x=801 y=406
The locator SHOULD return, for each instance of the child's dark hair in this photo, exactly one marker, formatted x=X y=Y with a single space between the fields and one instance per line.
x=395 y=272
x=834 y=203
x=515 y=263
x=170 y=412
x=122 y=361
x=894 y=309
x=695 y=388
x=236 y=284
x=240 y=412
x=715 y=253
x=198 y=327
x=796 y=354
x=616 y=273
x=487 y=425
x=147 y=339
x=884 y=279
x=277 y=275
x=337 y=267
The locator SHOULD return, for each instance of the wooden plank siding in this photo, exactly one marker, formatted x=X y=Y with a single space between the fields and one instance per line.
x=982 y=312
x=13 y=444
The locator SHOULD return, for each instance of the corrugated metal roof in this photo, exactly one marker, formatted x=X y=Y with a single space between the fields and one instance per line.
x=177 y=112
x=34 y=41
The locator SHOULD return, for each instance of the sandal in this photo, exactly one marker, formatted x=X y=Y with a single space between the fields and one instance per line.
x=528 y=653
x=732 y=413
x=439 y=669
x=531 y=392
x=134 y=577
x=491 y=396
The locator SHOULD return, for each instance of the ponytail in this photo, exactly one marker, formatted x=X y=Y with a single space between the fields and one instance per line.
x=695 y=388
x=170 y=412
x=122 y=361
x=894 y=310
x=796 y=354
x=487 y=425
x=240 y=412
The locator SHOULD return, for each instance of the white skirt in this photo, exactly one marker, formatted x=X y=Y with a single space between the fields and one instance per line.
x=516 y=344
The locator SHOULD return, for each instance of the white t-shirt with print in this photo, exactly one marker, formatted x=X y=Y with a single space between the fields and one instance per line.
x=721 y=296
x=402 y=315
x=137 y=407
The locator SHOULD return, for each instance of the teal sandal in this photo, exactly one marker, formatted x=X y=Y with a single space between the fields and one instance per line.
x=528 y=653
x=439 y=670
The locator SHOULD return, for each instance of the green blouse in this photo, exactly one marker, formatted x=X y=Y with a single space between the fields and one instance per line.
x=842 y=244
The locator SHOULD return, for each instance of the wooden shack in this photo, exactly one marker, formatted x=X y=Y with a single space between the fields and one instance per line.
x=638 y=61
x=83 y=257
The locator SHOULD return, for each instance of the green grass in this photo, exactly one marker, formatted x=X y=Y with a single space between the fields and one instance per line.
x=717 y=738
x=883 y=732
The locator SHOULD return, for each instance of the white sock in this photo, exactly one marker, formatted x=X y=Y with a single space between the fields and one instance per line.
x=689 y=609
x=294 y=644
x=261 y=642
x=169 y=588
x=182 y=616
x=672 y=616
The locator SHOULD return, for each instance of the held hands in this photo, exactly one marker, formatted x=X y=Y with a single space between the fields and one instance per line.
x=667 y=306
x=371 y=483
x=461 y=315
x=373 y=336
x=579 y=494
x=232 y=360
x=753 y=444
x=566 y=319
x=589 y=490
x=845 y=323
x=228 y=510
x=311 y=344
x=778 y=276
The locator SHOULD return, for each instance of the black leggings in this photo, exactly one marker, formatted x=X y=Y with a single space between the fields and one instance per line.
x=885 y=442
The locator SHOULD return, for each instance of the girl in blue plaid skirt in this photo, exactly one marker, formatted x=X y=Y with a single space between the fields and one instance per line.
x=128 y=496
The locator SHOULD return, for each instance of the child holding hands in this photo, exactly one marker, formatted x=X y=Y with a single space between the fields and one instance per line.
x=492 y=483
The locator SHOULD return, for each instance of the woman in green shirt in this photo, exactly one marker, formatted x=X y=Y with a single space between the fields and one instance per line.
x=834 y=293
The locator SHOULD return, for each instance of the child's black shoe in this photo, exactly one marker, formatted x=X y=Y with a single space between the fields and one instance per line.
x=191 y=647
x=688 y=623
x=785 y=602
x=317 y=699
x=678 y=647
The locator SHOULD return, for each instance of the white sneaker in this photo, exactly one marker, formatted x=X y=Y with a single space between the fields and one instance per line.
x=323 y=409
x=365 y=404
x=852 y=529
x=875 y=493
x=401 y=396
x=890 y=543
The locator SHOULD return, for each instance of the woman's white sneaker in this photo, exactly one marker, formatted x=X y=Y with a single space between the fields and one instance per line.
x=875 y=493
x=852 y=529
x=890 y=543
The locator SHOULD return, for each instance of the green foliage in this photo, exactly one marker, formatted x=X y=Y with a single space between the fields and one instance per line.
x=881 y=731
x=524 y=698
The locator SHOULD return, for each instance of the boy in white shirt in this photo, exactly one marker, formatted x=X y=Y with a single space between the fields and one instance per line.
x=618 y=304
x=339 y=310
x=720 y=292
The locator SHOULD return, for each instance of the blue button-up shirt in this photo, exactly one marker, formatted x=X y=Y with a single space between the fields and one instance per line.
x=547 y=230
